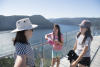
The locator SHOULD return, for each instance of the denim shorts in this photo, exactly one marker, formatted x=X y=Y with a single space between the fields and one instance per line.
x=56 y=54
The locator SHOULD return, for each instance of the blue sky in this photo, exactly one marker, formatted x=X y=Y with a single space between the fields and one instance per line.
x=51 y=8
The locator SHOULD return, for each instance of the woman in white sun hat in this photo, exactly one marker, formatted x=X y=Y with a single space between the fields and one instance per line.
x=24 y=56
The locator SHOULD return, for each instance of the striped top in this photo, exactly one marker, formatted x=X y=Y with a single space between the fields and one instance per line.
x=25 y=49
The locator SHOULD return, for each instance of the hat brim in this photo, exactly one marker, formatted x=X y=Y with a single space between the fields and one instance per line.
x=16 y=30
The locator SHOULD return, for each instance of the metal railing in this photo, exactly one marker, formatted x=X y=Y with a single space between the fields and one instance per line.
x=95 y=53
x=43 y=51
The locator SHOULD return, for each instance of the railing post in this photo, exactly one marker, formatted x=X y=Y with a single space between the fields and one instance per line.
x=66 y=38
x=66 y=41
x=95 y=54
x=41 y=63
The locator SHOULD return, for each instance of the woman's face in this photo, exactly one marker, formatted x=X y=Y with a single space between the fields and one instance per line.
x=83 y=30
x=28 y=34
x=55 y=30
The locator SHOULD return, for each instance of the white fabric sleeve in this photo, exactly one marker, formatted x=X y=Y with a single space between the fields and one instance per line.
x=76 y=38
x=88 y=41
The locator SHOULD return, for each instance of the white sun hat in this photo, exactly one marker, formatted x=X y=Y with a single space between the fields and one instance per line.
x=24 y=24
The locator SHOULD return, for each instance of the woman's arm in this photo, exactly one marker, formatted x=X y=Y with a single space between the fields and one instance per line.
x=80 y=56
x=20 y=61
x=75 y=45
x=46 y=36
x=61 y=43
x=87 y=42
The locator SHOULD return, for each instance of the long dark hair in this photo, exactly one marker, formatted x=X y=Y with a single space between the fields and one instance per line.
x=20 y=37
x=87 y=34
x=59 y=32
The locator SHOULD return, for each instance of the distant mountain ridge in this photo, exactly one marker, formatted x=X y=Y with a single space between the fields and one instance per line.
x=74 y=21
x=9 y=22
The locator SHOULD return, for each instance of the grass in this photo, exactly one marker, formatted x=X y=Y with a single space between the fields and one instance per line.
x=9 y=62
x=6 y=62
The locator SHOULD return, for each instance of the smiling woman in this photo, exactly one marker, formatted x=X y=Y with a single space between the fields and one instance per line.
x=33 y=9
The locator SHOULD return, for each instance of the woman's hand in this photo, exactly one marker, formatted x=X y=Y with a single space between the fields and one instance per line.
x=80 y=56
x=75 y=45
x=57 y=42
x=74 y=64
x=46 y=36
